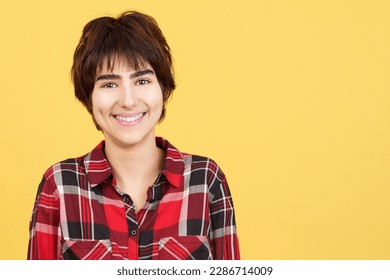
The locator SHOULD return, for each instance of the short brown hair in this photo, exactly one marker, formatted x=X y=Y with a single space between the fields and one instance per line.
x=134 y=37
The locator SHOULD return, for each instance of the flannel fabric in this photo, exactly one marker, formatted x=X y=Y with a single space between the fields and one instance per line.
x=79 y=213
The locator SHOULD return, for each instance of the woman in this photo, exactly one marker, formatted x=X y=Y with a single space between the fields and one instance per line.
x=135 y=196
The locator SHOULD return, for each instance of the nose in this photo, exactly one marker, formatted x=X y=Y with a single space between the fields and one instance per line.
x=128 y=98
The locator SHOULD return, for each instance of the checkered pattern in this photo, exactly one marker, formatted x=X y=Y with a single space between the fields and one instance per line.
x=79 y=213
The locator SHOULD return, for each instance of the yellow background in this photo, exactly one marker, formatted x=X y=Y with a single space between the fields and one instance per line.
x=291 y=98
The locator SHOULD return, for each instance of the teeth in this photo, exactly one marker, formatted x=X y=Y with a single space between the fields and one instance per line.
x=129 y=119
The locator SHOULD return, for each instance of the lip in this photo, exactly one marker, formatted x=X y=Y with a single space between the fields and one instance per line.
x=129 y=119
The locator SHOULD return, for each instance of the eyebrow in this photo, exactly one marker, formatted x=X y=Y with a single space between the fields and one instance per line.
x=118 y=77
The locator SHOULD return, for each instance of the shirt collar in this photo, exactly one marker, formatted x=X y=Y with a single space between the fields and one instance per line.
x=98 y=169
x=96 y=165
x=174 y=162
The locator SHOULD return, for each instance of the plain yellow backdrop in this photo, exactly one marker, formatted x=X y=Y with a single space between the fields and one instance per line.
x=291 y=98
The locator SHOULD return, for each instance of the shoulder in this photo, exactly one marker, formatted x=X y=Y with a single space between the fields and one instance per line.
x=198 y=166
x=58 y=174
x=206 y=165
x=205 y=172
x=70 y=165
x=78 y=165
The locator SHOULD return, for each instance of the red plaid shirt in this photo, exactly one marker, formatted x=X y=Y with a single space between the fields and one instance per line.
x=79 y=213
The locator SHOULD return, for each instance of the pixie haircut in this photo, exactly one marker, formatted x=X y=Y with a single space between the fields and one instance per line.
x=133 y=38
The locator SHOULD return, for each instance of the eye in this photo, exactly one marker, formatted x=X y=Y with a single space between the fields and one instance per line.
x=109 y=85
x=142 y=82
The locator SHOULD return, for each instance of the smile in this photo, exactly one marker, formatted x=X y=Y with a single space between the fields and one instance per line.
x=129 y=119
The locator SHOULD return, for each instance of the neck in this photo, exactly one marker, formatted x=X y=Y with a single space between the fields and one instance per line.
x=137 y=163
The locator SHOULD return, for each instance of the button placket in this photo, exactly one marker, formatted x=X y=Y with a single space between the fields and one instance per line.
x=131 y=216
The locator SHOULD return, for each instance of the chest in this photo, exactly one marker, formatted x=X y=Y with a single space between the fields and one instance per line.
x=169 y=217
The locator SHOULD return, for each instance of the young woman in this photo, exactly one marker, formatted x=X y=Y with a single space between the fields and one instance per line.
x=134 y=196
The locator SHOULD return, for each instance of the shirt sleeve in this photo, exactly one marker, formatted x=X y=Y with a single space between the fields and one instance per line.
x=223 y=223
x=44 y=242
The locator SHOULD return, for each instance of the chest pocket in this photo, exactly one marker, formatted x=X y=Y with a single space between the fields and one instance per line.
x=87 y=250
x=184 y=248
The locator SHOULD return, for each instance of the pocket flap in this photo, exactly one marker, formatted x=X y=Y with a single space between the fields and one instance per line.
x=193 y=247
x=87 y=250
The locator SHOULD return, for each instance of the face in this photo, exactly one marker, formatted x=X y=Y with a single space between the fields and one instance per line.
x=127 y=104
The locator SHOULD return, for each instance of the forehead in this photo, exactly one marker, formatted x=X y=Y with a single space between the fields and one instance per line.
x=121 y=63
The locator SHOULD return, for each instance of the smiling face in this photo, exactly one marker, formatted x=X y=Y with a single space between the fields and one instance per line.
x=127 y=104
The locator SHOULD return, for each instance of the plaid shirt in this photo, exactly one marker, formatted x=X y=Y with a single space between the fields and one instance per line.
x=79 y=213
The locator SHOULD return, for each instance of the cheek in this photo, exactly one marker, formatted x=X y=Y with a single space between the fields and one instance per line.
x=99 y=102
x=160 y=99
x=159 y=105
x=95 y=106
x=155 y=100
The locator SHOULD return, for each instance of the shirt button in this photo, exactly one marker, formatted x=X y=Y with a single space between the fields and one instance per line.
x=133 y=232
